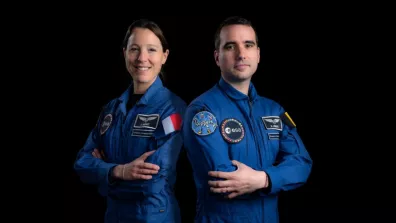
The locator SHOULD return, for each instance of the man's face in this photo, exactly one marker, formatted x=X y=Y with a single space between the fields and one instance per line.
x=238 y=54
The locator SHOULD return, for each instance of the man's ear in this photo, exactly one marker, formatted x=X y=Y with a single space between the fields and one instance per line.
x=216 y=57
x=258 y=56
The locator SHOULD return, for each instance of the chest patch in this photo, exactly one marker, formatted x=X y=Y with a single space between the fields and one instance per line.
x=145 y=125
x=204 y=123
x=272 y=122
x=106 y=123
x=232 y=130
x=146 y=121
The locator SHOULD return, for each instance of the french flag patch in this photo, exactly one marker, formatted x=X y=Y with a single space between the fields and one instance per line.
x=172 y=123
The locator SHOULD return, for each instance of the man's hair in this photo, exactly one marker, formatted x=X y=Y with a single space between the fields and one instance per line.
x=233 y=20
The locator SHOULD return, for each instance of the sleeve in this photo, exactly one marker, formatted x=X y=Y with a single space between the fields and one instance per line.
x=92 y=170
x=293 y=161
x=168 y=144
x=204 y=145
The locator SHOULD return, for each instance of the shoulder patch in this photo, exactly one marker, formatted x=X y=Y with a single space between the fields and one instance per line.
x=232 y=130
x=106 y=122
x=204 y=123
x=287 y=120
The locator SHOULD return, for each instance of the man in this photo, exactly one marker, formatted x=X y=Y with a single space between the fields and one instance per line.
x=244 y=148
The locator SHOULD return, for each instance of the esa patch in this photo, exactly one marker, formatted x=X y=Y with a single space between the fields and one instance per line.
x=145 y=125
x=106 y=122
x=272 y=122
x=232 y=130
x=204 y=123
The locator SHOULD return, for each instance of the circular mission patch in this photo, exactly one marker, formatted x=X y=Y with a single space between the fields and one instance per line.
x=232 y=130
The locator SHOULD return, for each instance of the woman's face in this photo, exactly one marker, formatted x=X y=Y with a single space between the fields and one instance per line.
x=144 y=56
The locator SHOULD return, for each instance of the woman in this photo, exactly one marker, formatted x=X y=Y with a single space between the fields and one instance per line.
x=132 y=152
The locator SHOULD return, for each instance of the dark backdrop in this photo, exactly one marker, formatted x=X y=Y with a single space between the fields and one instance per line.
x=310 y=65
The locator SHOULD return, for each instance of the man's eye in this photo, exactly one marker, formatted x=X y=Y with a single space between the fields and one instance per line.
x=229 y=47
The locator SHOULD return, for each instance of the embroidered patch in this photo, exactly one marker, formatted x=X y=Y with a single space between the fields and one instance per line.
x=272 y=122
x=287 y=120
x=273 y=136
x=204 y=123
x=146 y=121
x=106 y=123
x=232 y=130
x=145 y=125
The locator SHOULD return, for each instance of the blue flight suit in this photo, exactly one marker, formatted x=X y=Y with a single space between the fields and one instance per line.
x=125 y=136
x=224 y=124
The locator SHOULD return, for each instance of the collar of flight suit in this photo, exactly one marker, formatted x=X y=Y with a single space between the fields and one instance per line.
x=236 y=94
x=147 y=96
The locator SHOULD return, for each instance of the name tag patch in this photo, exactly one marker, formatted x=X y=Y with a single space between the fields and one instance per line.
x=145 y=125
x=273 y=136
x=272 y=122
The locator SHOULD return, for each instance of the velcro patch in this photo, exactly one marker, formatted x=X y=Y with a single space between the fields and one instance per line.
x=272 y=122
x=145 y=125
x=106 y=122
x=287 y=120
x=204 y=123
x=273 y=136
x=232 y=130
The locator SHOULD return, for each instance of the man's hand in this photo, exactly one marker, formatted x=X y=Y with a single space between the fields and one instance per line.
x=242 y=181
x=137 y=169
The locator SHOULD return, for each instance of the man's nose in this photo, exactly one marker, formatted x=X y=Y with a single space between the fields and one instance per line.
x=241 y=53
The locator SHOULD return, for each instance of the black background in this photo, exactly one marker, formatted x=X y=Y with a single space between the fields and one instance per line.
x=313 y=66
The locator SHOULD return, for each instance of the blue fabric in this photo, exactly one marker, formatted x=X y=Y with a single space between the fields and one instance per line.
x=123 y=140
x=283 y=156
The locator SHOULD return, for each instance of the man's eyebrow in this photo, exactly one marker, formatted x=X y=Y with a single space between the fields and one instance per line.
x=229 y=43
x=251 y=42
x=246 y=42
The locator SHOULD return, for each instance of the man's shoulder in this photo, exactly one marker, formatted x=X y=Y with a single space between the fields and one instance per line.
x=206 y=98
x=268 y=101
x=269 y=105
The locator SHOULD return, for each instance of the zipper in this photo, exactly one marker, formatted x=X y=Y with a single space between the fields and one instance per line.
x=126 y=130
x=252 y=123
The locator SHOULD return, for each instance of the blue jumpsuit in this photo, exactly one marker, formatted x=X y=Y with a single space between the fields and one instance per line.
x=222 y=125
x=126 y=135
